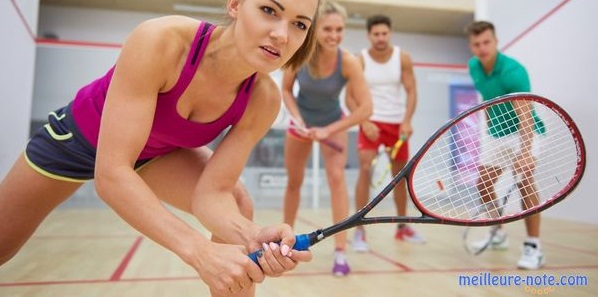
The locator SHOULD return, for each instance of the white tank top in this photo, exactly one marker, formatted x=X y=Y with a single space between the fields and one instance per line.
x=384 y=81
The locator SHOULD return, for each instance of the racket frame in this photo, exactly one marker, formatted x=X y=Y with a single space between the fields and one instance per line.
x=304 y=241
x=359 y=218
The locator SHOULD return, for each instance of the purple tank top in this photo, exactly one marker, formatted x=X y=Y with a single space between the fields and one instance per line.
x=169 y=130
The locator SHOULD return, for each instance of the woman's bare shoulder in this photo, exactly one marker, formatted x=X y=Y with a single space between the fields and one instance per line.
x=265 y=100
x=265 y=89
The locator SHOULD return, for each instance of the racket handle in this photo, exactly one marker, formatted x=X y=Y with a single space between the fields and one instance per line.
x=397 y=146
x=327 y=142
x=333 y=145
x=301 y=244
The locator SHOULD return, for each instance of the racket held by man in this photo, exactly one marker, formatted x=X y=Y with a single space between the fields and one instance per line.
x=381 y=166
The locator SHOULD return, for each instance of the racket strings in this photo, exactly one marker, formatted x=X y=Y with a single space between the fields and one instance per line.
x=447 y=178
x=380 y=171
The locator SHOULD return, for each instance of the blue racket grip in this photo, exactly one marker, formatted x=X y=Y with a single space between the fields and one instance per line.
x=301 y=244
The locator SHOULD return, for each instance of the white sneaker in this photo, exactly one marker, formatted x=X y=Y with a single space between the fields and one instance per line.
x=531 y=258
x=500 y=241
x=359 y=244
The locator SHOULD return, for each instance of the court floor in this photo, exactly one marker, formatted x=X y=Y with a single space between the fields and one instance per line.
x=92 y=252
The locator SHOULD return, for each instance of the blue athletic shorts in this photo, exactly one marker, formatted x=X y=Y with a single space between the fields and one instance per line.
x=59 y=151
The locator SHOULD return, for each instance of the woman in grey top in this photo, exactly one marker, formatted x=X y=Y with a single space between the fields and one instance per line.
x=317 y=107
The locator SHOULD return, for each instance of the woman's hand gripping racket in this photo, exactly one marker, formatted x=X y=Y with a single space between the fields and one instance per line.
x=296 y=124
x=443 y=199
x=382 y=163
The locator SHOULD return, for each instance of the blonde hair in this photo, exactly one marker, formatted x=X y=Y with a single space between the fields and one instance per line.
x=307 y=49
x=326 y=8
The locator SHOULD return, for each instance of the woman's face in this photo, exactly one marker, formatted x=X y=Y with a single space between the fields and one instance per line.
x=269 y=32
x=330 y=31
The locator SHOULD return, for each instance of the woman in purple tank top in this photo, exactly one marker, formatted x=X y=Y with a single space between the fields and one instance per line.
x=140 y=132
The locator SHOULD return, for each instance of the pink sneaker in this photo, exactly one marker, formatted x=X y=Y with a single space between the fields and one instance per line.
x=408 y=234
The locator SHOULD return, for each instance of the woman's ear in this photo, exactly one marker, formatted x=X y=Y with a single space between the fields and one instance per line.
x=233 y=8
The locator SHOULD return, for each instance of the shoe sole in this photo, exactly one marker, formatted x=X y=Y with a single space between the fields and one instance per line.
x=361 y=250
x=530 y=268
x=542 y=262
x=411 y=240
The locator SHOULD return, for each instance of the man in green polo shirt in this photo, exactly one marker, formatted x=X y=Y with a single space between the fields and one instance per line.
x=495 y=74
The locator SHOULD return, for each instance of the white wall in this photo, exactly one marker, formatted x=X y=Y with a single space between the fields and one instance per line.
x=17 y=57
x=560 y=57
x=62 y=69
x=112 y=26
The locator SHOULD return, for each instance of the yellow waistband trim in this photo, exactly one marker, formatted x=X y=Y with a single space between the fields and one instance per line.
x=51 y=175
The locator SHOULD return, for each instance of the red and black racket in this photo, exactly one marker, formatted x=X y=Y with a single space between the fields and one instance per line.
x=443 y=196
x=297 y=125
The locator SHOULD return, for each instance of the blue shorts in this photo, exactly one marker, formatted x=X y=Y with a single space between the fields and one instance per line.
x=59 y=151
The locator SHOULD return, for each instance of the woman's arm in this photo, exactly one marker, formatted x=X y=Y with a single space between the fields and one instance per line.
x=370 y=130
x=213 y=200
x=350 y=101
x=290 y=102
x=141 y=72
x=148 y=60
x=360 y=95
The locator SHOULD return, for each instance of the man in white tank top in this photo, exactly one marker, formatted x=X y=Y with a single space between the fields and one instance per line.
x=388 y=71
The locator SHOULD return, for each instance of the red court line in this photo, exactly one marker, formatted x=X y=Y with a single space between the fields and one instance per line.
x=440 y=65
x=116 y=276
x=61 y=42
x=545 y=269
x=567 y=248
x=387 y=259
x=57 y=42
x=372 y=252
x=69 y=237
x=23 y=20
x=534 y=25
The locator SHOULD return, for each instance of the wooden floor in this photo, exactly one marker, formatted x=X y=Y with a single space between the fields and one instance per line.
x=91 y=252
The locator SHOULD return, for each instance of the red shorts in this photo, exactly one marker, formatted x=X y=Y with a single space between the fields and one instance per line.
x=389 y=134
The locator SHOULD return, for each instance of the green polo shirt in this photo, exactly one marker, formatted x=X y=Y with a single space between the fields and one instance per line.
x=508 y=76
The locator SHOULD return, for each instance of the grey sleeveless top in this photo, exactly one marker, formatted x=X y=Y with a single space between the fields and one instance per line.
x=318 y=98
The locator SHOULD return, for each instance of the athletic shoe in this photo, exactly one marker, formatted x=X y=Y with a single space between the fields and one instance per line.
x=359 y=244
x=341 y=267
x=500 y=241
x=408 y=234
x=531 y=258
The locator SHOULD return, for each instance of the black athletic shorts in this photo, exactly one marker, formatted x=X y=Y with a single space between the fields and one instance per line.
x=59 y=151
